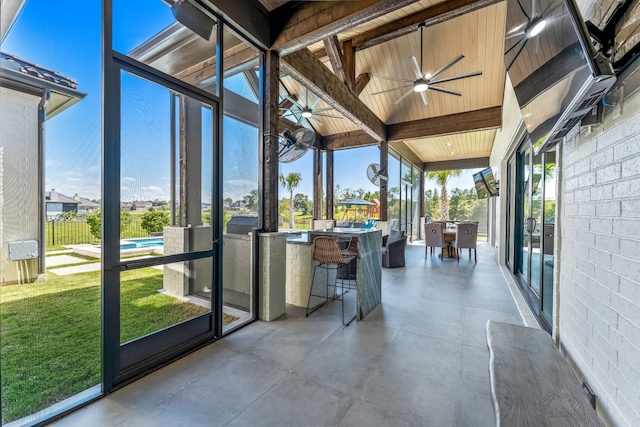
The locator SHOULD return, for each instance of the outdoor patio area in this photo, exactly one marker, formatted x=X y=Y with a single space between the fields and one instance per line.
x=419 y=359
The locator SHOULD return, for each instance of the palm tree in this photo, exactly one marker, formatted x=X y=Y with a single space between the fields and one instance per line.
x=290 y=182
x=441 y=178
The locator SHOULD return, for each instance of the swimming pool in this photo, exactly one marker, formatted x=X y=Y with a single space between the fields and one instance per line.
x=146 y=242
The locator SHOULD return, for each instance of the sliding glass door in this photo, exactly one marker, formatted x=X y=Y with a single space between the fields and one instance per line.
x=531 y=233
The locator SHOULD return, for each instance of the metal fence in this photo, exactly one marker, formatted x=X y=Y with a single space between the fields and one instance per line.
x=75 y=232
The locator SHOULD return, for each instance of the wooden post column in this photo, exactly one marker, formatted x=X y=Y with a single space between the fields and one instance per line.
x=270 y=146
x=317 y=184
x=329 y=213
x=384 y=165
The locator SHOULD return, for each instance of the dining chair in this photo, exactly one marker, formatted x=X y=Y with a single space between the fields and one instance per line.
x=329 y=256
x=434 y=237
x=467 y=237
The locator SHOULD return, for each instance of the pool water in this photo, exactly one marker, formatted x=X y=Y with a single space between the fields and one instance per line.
x=147 y=242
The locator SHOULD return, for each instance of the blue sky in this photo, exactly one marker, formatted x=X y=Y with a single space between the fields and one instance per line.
x=68 y=40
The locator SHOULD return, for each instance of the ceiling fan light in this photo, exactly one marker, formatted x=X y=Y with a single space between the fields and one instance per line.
x=537 y=29
x=427 y=76
x=420 y=87
x=306 y=114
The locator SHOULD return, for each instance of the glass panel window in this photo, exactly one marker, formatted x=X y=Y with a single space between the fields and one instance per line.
x=240 y=178
x=179 y=40
x=353 y=184
x=393 y=192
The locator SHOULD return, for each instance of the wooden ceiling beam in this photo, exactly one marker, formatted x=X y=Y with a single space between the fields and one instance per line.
x=311 y=73
x=354 y=139
x=433 y=15
x=312 y=22
x=337 y=59
x=477 y=162
x=349 y=55
x=361 y=82
x=487 y=118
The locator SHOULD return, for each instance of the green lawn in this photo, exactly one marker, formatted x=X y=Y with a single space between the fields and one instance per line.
x=50 y=333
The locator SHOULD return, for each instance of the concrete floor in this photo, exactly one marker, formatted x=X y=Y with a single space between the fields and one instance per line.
x=419 y=359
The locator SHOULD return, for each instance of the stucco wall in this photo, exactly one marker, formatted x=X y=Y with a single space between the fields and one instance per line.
x=599 y=289
x=19 y=180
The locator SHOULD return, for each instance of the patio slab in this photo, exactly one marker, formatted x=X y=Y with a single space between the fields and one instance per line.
x=55 y=261
x=418 y=359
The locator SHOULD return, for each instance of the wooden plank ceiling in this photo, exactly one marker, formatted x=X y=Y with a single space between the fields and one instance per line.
x=478 y=35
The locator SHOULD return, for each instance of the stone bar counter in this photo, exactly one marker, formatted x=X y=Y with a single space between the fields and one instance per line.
x=368 y=272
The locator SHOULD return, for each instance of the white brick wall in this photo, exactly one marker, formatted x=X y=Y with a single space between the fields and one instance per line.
x=599 y=289
x=19 y=180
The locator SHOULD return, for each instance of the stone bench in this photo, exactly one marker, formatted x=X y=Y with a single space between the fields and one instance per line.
x=531 y=382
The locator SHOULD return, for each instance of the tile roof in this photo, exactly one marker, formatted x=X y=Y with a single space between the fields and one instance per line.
x=14 y=63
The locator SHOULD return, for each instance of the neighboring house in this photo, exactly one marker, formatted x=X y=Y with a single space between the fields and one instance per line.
x=86 y=206
x=58 y=203
x=29 y=95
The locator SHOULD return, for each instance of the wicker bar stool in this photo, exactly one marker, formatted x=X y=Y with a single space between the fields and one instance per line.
x=327 y=252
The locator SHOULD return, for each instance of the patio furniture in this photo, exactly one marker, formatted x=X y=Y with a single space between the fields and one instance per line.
x=467 y=237
x=434 y=237
x=532 y=384
x=393 y=255
x=327 y=252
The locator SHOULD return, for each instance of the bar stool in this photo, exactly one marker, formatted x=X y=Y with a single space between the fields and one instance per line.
x=327 y=252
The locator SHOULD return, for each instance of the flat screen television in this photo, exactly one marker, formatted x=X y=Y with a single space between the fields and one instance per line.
x=485 y=184
x=557 y=75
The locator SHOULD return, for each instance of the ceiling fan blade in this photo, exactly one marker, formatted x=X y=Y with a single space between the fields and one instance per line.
x=522 y=9
x=533 y=7
x=416 y=68
x=314 y=103
x=463 y=76
x=515 y=44
x=315 y=119
x=393 y=79
x=425 y=100
x=393 y=90
x=409 y=92
x=517 y=54
x=294 y=102
x=536 y=44
x=516 y=29
x=517 y=34
x=449 y=91
x=446 y=67
x=328 y=115
x=322 y=109
x=306 y=97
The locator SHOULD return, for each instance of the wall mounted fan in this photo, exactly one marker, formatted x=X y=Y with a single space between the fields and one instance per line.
x=531 y=28
x=293 y=145
x=376 y=175
x=309 y=110
x=427 y=81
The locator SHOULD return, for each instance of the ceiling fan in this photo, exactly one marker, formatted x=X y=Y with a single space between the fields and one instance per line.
x=427 y=81
x=309 y=110
x=530 y=29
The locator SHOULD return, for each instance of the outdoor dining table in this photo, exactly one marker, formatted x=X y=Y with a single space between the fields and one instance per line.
x=449 y=234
